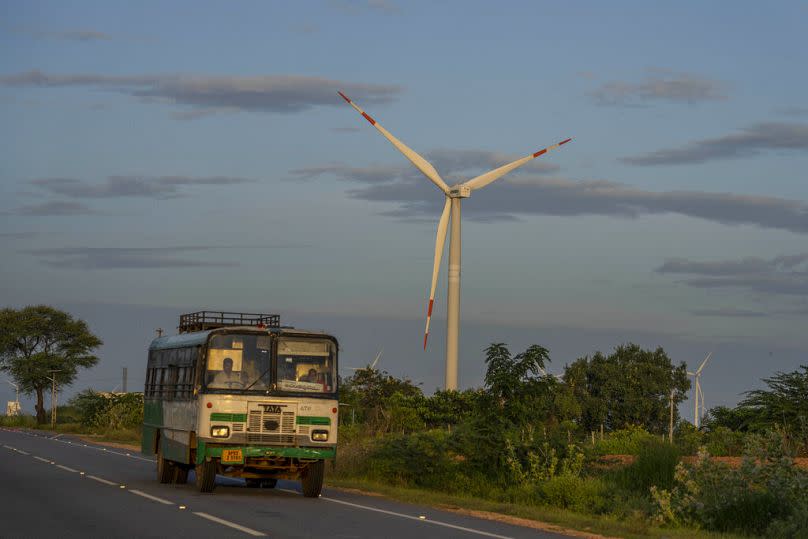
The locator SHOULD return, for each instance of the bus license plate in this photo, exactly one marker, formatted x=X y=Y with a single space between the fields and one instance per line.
x=232 y=455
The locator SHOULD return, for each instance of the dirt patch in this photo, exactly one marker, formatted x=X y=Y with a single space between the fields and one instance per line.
x=607 y=462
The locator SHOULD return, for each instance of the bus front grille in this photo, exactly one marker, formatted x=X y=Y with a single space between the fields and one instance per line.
x=271 y=427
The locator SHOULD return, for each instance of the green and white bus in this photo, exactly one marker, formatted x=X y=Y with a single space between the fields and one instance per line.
x=238 y=395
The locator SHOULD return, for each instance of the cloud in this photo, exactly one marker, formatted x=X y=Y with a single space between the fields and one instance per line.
x=55 y=208
x=356 y=7
x=728 y=313
x=786 y=275
x=660 y=86
x=792 y=111
x=515 y=196
x=749 y=141
x=272 y=94
x=67 y=35
x=130 y=186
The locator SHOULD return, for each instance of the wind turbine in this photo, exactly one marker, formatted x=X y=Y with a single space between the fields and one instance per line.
x=697 y=393
x=371 y=366
x=451 y=212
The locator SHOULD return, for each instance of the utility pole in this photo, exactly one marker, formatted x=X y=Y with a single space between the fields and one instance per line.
x=670 y=427
x=16 y=397
x=159 y=332
x=53 y=398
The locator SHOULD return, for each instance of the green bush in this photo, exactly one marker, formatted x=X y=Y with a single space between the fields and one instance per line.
x=109 y=411
x=584 y=494
x=623 y=442
x=762 y=497
x=655 y=465
x=418 y=459
x=18 y=421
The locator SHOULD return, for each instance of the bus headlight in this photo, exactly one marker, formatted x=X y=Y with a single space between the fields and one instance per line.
x=319 y=435
x=220 y=431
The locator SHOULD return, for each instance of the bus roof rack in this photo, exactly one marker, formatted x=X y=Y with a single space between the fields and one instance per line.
x=205 y=320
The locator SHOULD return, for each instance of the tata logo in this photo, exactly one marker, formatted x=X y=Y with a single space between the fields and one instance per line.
x=273 y=408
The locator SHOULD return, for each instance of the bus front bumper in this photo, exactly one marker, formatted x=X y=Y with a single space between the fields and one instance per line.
x=240 y=454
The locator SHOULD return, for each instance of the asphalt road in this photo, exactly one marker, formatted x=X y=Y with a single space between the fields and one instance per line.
x=63 y=487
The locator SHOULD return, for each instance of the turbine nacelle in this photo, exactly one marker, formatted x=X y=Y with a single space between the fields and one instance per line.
x=459 y=191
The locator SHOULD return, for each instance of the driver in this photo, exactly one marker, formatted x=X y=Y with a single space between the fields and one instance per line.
x=226 y=377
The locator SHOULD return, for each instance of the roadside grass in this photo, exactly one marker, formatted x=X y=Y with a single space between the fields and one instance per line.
x=123 y=436
x=630 y=528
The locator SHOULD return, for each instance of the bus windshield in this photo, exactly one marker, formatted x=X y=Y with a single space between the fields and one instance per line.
x=306 y=366
x=237 y=362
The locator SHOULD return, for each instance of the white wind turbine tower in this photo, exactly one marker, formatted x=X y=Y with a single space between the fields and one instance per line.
x=699 y=396
x=451 y=212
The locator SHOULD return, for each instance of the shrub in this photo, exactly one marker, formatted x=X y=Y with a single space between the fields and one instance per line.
x=655 y=465
x=418 y=459
x=584 y=494
x=109 y=411
x=623 y=442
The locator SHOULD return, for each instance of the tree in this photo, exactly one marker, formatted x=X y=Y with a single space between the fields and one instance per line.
x=784 y=403
x=629 y=387
x=38 y=340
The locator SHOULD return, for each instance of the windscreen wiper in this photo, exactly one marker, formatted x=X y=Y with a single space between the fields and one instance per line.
x=261 y=376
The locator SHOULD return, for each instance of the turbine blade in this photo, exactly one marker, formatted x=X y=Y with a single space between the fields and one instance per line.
x=420 y=163
x=703 y=363
x=484 y=179
x=440 y=240
x=373 y=365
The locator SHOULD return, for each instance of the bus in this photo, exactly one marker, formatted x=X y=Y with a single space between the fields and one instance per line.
x=236 y=394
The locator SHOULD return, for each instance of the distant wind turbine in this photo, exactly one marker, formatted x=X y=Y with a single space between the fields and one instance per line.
x=698 y=394
x=371 y=366
x=451 y=208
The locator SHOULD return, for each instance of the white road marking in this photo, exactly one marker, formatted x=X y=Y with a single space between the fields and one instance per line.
x=149 y=496
x=435 y=522
x=230 y=524
x=41 y=459
x=288 y=490
x=66 y=468
x=8 y=447
x=21 y=452
x=94 y=478
x=54 y=437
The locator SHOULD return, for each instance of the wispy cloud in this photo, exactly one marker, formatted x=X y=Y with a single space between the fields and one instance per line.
x=357 y=7
x=87 y=258
x=90 y=258
x=658 y=86
x=728 y=313
x=412 y=196
x=273 y=94
x=786 y=275
x=55 y=208
x=130 y=186
x=750 y=140
x=67 y=35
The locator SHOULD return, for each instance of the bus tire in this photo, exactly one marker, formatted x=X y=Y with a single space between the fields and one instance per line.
x=165 y=468
x=181 y=476
x=312 y=479
x=206 y=475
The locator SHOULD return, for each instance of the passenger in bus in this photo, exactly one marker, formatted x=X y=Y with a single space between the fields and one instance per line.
x=226 y=378
x=311 y=377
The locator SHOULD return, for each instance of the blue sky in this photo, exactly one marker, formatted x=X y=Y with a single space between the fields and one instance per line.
x=161 y=158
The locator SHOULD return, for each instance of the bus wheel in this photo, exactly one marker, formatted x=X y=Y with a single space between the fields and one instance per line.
x=312 y=479
x=165 y=468
x=206 y=475
x=181 y=476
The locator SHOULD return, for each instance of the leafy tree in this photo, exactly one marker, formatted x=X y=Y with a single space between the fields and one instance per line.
x=370 y=393
x=783 y=404
x=37 y=340
x=631 y=386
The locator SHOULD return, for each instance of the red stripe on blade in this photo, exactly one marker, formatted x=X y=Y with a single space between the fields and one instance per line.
x=564 y=141
x=425 y=336
x=344 y=96
x=368 y=118
x=540 y=152
x=429 y=311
